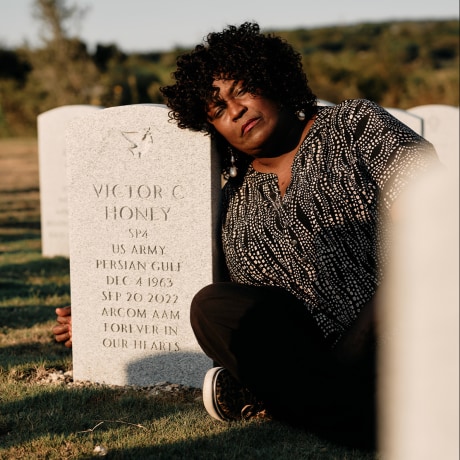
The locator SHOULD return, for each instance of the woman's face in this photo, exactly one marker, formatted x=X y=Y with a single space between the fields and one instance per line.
x=252 y=124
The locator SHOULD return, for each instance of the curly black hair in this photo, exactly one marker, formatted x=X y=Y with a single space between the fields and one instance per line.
x=265 y=64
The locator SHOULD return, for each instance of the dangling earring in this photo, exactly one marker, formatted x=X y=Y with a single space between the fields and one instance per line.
x=232 y=170
x=301 y=115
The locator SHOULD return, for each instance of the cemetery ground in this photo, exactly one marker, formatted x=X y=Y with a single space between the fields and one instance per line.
x=44 y=414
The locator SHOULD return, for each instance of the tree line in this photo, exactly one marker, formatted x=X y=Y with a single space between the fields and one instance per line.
x=396 y=64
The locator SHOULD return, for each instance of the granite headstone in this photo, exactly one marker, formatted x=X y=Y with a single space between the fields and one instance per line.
x=51 y=126
x=143 y=209
x=412 y=120
x=441 y=127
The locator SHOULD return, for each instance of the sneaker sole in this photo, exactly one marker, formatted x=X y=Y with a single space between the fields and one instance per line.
x=209 y=390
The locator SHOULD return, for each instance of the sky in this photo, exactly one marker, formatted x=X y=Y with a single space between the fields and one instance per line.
x=161 y=25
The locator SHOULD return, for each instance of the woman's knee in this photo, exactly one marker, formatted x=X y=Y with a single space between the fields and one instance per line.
x=204 y=302
x=201 y=299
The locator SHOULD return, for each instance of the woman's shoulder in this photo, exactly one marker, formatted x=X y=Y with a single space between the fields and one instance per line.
x=350 y=112
x=351 y=105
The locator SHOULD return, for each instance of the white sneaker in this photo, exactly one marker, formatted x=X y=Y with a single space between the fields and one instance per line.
x=225 y=399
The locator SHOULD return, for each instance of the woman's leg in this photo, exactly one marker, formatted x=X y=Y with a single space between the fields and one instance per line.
x=268 y=341
x=246 y=328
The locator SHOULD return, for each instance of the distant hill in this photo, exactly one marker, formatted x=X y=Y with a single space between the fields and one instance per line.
x=396 y=64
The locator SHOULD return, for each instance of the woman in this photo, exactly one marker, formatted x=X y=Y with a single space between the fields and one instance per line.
x=306 y=207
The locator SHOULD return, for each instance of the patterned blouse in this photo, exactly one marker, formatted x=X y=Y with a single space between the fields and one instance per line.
x=323 y=241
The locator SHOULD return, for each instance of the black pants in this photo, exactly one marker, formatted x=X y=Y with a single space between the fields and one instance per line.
x=269 y=342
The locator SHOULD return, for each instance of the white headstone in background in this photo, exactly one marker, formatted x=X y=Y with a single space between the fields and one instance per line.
x=441 y=128
x=409 y=119
x=323 y=103
x=143 y=206
x=51 y=127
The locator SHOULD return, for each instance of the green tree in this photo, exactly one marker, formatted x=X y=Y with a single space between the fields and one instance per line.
x=63 y=71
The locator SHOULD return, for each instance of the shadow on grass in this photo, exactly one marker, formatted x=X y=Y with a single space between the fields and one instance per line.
x=26 y=316
x=74 y=415
x=42 y=266
x=13 y=290
x=11 y=238
x=62 y=410
x=19 y=191
x=21 y=223
x=70 y=415
x=31 y=279
x=268 y=441
x=31 y=355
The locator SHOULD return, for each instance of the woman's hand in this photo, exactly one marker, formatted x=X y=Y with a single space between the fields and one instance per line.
x=63 y=330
